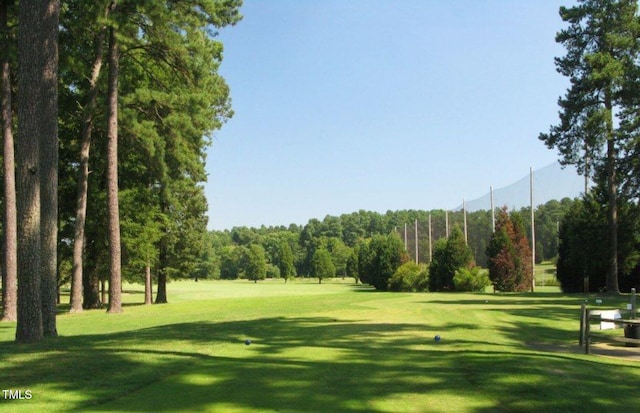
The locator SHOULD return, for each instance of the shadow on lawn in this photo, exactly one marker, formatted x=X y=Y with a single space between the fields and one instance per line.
x=309 y=364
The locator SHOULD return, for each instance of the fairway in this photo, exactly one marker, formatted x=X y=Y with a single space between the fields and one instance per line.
x=330 y=347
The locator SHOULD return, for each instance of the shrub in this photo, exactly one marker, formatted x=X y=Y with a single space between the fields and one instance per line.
x=448 y=256
x=272 y=271
x=379 y=259
x=471 y=279
x=409 y=277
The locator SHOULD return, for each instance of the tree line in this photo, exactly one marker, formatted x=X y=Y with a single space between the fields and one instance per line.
x=570 y=233
x=289 y=250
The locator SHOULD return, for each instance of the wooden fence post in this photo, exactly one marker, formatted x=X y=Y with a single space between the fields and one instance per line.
x=583 y=313
x=587 y=330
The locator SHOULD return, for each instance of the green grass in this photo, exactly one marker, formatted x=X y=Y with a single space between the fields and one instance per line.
x=546 y=274
x=333 y=347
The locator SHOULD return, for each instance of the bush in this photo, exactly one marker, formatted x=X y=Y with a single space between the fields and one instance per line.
x=471 y=279
x=448 y=255
x=272 y=271
x=410 y=277
x=379 y=259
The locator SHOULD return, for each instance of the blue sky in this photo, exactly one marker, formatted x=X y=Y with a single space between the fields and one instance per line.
x=380 y=105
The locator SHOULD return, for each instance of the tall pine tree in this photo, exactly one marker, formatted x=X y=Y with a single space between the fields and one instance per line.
x=602 y=52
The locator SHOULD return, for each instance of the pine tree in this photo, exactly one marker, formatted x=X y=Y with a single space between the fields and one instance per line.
x=9 y=267
x=602 y=53
x=37 y=116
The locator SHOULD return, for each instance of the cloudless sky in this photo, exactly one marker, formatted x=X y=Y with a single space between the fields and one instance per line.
x=380 y=105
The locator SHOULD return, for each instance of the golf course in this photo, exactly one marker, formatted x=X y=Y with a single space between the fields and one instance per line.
x=237 y=346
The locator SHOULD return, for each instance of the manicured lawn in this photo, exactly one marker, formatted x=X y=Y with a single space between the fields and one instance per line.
x=333 y=347
x=546 y=274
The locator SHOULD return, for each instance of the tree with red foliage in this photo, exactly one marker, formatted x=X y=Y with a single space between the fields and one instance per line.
x=509 y=254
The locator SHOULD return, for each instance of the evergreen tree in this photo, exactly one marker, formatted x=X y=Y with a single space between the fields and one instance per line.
x=582 y=259
x=9 y=267
x=384 y=255
x=509 y=254
x=37 y=129
x=285 y=262
x=449 y=255
x=602 y=53
x=113 y=208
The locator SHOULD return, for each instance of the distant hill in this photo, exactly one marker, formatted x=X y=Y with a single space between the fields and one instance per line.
x=550 y=182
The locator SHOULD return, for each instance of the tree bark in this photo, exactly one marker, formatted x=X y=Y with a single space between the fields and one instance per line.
x=30 y=85
x=48 y=159
x=10 y=270
x=148 y=293
x=115 y=279
x=83 y=178
x=612 y=218
x=161 y=294
x=91 y=290
x=612 y=211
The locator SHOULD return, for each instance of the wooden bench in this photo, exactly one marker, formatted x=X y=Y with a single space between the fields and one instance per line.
x=608 y=319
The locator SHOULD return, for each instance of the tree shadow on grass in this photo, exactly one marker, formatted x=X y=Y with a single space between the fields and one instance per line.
x=308 y=364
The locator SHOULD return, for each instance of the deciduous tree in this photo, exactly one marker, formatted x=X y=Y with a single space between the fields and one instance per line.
x=321 y=265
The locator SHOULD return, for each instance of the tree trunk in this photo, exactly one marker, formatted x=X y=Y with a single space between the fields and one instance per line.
x=83 y=179
x=148 y=293
x=30 y=85
x=612 y=211
x=91 y=291
x=10 y=271
x=115 y=280
x=612 y=217
x=103 y=291
x=49 y=169
x=161 y=294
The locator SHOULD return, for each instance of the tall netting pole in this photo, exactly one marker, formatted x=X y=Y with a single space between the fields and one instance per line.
x=416 y=241
x=464 y=213
x=493 y=212
x=430 y=250
x=533 y=232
